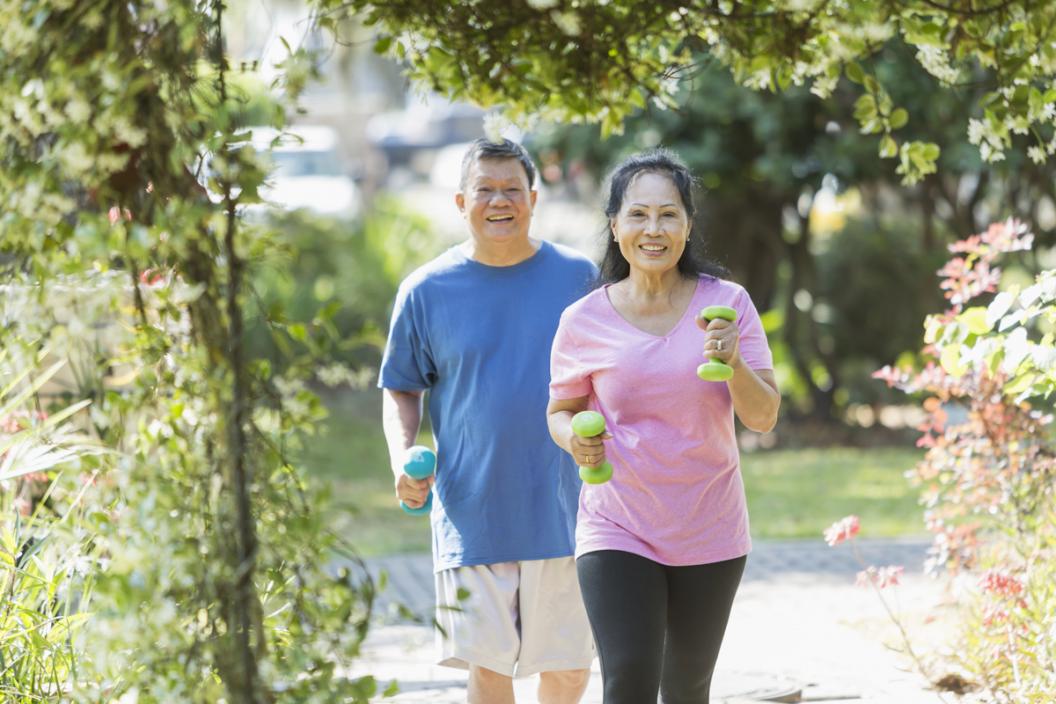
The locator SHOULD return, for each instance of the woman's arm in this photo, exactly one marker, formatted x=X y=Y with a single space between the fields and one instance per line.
x=559 y=420
x=755 y=396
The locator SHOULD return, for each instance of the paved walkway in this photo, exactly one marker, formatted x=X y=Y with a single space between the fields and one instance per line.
x=800 y=630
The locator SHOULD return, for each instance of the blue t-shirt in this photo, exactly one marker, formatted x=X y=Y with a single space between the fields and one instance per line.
x=478 y=338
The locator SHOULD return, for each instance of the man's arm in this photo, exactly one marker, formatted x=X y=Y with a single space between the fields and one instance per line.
x=401 y=416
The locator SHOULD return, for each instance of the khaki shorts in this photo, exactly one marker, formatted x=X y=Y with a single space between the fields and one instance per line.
x=519 y=618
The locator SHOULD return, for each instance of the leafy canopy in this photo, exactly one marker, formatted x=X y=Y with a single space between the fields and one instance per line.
x=598 y=61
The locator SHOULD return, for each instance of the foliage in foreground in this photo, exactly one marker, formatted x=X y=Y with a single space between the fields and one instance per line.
x=124 y=169
x=988 y=478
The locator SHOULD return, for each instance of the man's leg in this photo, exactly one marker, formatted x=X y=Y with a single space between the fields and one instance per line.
x=555 y=633
x=488 y=687
x=479 y=632
x=562 y=686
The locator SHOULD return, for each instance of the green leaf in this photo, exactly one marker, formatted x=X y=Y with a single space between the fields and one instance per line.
x=888 y=147
x=298 y=332
x=865 y=108
x=899 y=118
x=975 y=319
x=382 y=45
x=950 y=359
x=1020 y=383
x=854 y=72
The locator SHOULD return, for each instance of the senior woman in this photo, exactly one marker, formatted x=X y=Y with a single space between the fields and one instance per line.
x=660 y=548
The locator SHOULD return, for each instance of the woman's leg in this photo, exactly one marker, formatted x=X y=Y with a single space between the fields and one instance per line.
x=626 y=600
x=698 y=608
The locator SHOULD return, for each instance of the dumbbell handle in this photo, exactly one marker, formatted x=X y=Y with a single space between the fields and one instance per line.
x=419 y=463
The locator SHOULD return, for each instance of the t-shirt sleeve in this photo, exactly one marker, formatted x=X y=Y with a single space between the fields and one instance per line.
x=408 y=361
x=754 y=348
x=569 y=377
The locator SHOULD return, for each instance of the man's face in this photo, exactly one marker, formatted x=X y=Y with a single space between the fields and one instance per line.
x=496 y=200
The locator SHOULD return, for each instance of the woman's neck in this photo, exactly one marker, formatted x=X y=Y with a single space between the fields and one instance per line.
x=648 y=287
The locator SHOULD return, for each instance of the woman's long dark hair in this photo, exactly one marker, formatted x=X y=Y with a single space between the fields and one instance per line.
x=692 y=263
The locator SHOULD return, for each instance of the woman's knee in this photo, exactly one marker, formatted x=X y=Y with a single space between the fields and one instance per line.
x=630 y=678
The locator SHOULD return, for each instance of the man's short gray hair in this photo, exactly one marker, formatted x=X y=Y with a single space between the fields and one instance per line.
x=487 y=149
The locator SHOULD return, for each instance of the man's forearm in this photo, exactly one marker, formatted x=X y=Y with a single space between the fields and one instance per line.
x=401 y=417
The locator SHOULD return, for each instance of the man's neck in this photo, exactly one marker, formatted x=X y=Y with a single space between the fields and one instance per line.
x=501 y=253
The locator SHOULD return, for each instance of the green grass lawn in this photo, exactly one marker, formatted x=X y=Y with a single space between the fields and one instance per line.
x=791 y=493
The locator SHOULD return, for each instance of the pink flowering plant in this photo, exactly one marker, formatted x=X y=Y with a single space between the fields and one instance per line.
x=876 y=578
x=986 y=479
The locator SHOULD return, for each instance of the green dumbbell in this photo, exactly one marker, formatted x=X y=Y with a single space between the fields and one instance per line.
x=713 y=370
x=588 y=424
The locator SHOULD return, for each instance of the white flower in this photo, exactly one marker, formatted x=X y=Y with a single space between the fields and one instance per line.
x=75 y=158
x=128 y=133
x=495 y=123
x=78 y=110
x=975 y=131
x=936 y=62
x=824 y=85
x=1036 y=154
x=567 y=22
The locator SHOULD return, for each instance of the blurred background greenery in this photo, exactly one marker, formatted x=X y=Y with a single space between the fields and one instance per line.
x=839 y=257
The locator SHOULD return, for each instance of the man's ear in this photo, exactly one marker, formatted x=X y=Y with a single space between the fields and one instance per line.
x=460 y=202
x=534 y=194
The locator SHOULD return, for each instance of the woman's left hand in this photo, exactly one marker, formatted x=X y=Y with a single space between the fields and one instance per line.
x=721 y=340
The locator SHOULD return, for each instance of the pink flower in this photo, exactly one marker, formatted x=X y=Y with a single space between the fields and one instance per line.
x=1001 y=583
x=151 y=277
x=116 y=214
x=843 y=529
x=882 y=577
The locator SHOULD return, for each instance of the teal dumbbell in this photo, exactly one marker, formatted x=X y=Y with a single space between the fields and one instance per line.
x=713 y=370
x=419 y=463
x=587 y=424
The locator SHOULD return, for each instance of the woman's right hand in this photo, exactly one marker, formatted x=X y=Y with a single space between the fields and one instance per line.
x=588 y=452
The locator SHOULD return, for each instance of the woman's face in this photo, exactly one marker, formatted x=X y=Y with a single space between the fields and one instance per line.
x=651 y=226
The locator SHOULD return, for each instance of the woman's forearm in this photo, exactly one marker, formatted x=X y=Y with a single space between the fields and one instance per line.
x=755 y=398
x=560 y=425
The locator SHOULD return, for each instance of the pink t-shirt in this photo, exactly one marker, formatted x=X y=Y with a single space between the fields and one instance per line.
x=676 y=495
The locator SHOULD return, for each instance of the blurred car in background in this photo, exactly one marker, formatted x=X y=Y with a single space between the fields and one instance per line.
x=308 y=171
x=410 y=139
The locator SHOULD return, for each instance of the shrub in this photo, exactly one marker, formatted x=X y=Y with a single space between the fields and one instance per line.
x=987 y=478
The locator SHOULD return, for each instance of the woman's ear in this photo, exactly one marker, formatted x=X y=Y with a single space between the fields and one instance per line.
x=612 y=229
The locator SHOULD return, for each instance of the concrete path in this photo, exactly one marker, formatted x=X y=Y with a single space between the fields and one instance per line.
x=800 y=630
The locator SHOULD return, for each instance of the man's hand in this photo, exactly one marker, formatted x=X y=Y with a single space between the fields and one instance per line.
x=413 y=492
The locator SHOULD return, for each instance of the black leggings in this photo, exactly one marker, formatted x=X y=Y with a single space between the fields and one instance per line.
x=657 y=628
